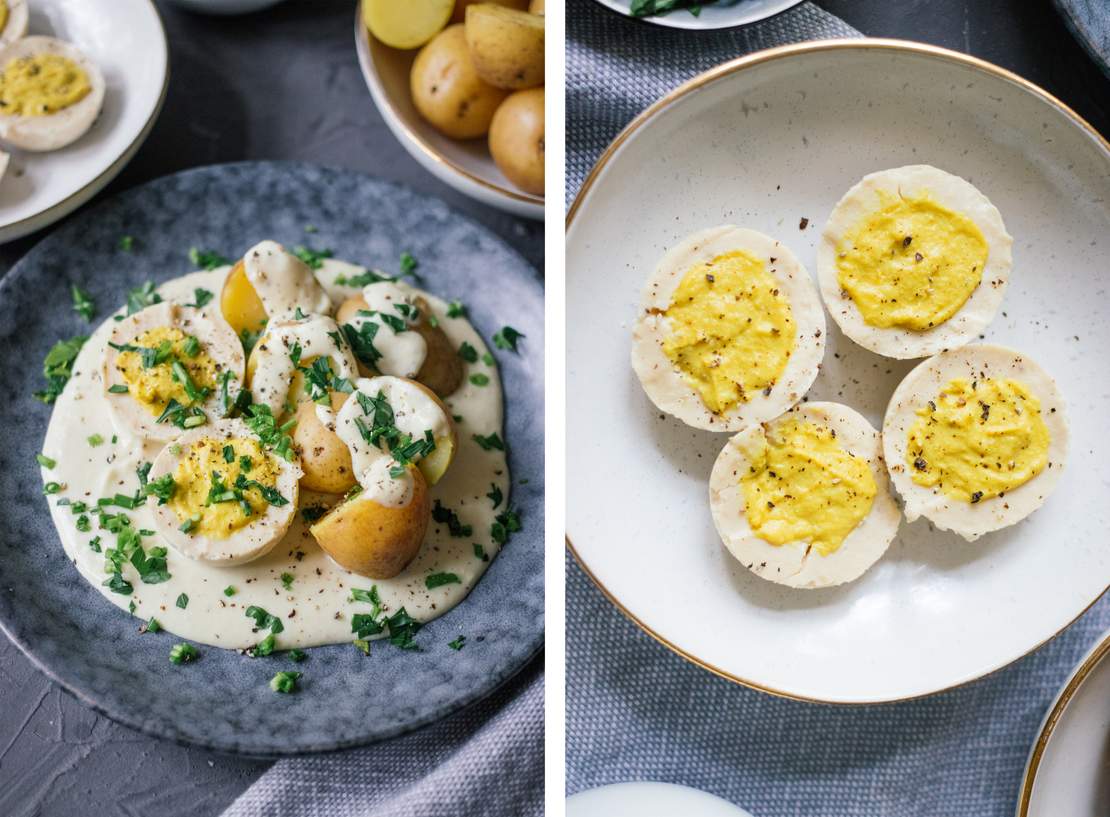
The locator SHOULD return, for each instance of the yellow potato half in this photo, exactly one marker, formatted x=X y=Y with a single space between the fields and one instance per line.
x=506 y=45
x=536 y=7
x=406 y=24
x=447 y=90
x=325 y=458
x=239 y=303
x=462 y=5
x=373 y=540
x=516 y=139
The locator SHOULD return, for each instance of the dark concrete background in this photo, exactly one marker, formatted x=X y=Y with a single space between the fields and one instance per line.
x=285 y=84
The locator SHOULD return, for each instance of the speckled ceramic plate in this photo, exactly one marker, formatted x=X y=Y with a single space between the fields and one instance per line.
x=772 y=141
x=223 y=700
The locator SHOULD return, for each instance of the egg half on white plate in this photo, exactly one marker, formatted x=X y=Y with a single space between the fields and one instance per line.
x=13 y=20
x=730 y=332
x=804 y=500
x=913 y=261
x=975 y=439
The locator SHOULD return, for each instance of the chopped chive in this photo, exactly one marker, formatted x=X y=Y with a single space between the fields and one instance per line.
x=183 y=653
x=118 y=388
x=45 y=461
x=95 y=440
x=507 y=338
x=285 y=682
x=230 y=591
x=434 y=580
x=52 y=488
x=82 y=304
x=287 y=580
x=127 y=243
x=468 y=353
x=458 y=643
x=479 y=379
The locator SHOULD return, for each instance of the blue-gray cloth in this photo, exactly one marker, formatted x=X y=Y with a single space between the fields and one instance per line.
x=636 y=711
x=487 y=760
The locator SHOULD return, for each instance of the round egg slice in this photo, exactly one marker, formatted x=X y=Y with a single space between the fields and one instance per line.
x=975 y=439
x=913 y=261
x=170 y=367
x=804 y=500
x=50 y=93
x=13 y=20
x=731 y=330
x=220 y=496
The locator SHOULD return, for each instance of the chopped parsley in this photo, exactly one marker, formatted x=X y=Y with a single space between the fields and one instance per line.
x=456 y=309
x=434 y=580
x=363 y=279
x=230 y=591
x=264 y=647
x=207 y=259
x=118 y=388
x=83 y=523
x=310 y=513
x=479 y=379
x=183 y=653
x=263 y=620
x=468 y=353
x=201 y=298
x=480 y=552
x=296 y=655
x=458 y=643
x=271 y=495
x=507 y=338
x=314 y=258
x=361 y=341
x=408 y=266
x=127 y=243
x=45 y=461
x=95 y=439
x=368 y=596
x=507 y=523
x=82 y=303
x=249 y=339
x=287 y=580
x=164 y=488
x=117 y=584
x=319 y=381
x=493 y=441
x=274 y=437
x=445 y=516
x=285 y=682
x=183 y=601
x=153 y=625
x=58 y=367
x=141 y=297
x=495 y=495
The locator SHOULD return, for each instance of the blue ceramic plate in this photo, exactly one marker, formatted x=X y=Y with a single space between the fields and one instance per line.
x=1089 y=21
x=223 y=701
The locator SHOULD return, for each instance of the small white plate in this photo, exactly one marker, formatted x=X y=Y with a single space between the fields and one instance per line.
x=125 y=38
x=649 y=800
x=1068 y=773
x=463 y=164
x=727 y=14
x=763 y=142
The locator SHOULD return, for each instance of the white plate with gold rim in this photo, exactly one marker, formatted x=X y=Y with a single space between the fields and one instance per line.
x=1068 y=772
x=771 y=141
x=126 y=40
x=464 y=164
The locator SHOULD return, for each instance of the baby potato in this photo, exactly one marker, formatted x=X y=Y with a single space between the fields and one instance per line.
x=406 y=25
x=442 y=371
x=447 y=90
x=325 y=458
x=239 y=303
x=461 y=5
x=506 y=45
x=536 y=7
x=516 y=139
x=373 y=540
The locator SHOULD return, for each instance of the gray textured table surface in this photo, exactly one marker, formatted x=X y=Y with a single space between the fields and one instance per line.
x=281 y=84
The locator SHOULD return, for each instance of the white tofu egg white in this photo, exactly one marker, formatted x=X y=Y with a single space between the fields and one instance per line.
x=670 y=388
x=54 y=130
x=799 y=563
x=255 y=538
x=914 y=182
x=16 y=25
x=217 y=341
x=975 y=363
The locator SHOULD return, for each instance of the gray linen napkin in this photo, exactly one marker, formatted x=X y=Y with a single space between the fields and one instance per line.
x=616 y=67
x=485 y=760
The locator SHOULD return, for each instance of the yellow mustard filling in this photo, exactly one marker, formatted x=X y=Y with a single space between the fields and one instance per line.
x=155 y=385
x=41 y=85
x=206 y=493
x=911 y=264
x=803 y=486
x=3 y=14
x=978 y=439
x=731 y=329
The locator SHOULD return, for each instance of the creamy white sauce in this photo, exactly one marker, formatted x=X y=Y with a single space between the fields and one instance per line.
x=283 y=282
x=380 y=486
x=315 y=336
x=404 y=352
x=316 y=609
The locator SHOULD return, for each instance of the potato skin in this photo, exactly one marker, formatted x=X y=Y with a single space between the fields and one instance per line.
x=506 y=45
x=442 y=370
x=461 y=5
x=536 y=7
x=373 y=540
x=447 y=90
x=239 y=303
x=516 y=139
x=408 y=25
x=325 y=458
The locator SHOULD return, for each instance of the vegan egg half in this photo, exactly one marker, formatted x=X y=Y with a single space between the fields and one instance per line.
x=50 y=93
x=804 y=500
x=913 y=261
x=171 y=367
x=731 y=330
x=222 y=497
x=975 y=439
x=13 y=20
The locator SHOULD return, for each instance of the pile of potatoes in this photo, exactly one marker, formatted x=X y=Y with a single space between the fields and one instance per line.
x=479 y=72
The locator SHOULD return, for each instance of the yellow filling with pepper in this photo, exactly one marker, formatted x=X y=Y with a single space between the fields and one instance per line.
x=911 y=264
x=217 y=485
x=731 y=329
x=41 y=85
x=147 y=366
x=804 y=486
x=978 y=439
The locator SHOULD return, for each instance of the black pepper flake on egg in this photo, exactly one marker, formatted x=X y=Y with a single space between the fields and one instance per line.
x=919 y=464
x=907 y=240
x=975 y=497
x=803 y=223
x=709 y=277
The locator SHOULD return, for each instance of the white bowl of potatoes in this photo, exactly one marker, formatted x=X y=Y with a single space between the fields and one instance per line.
x=461 y=85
